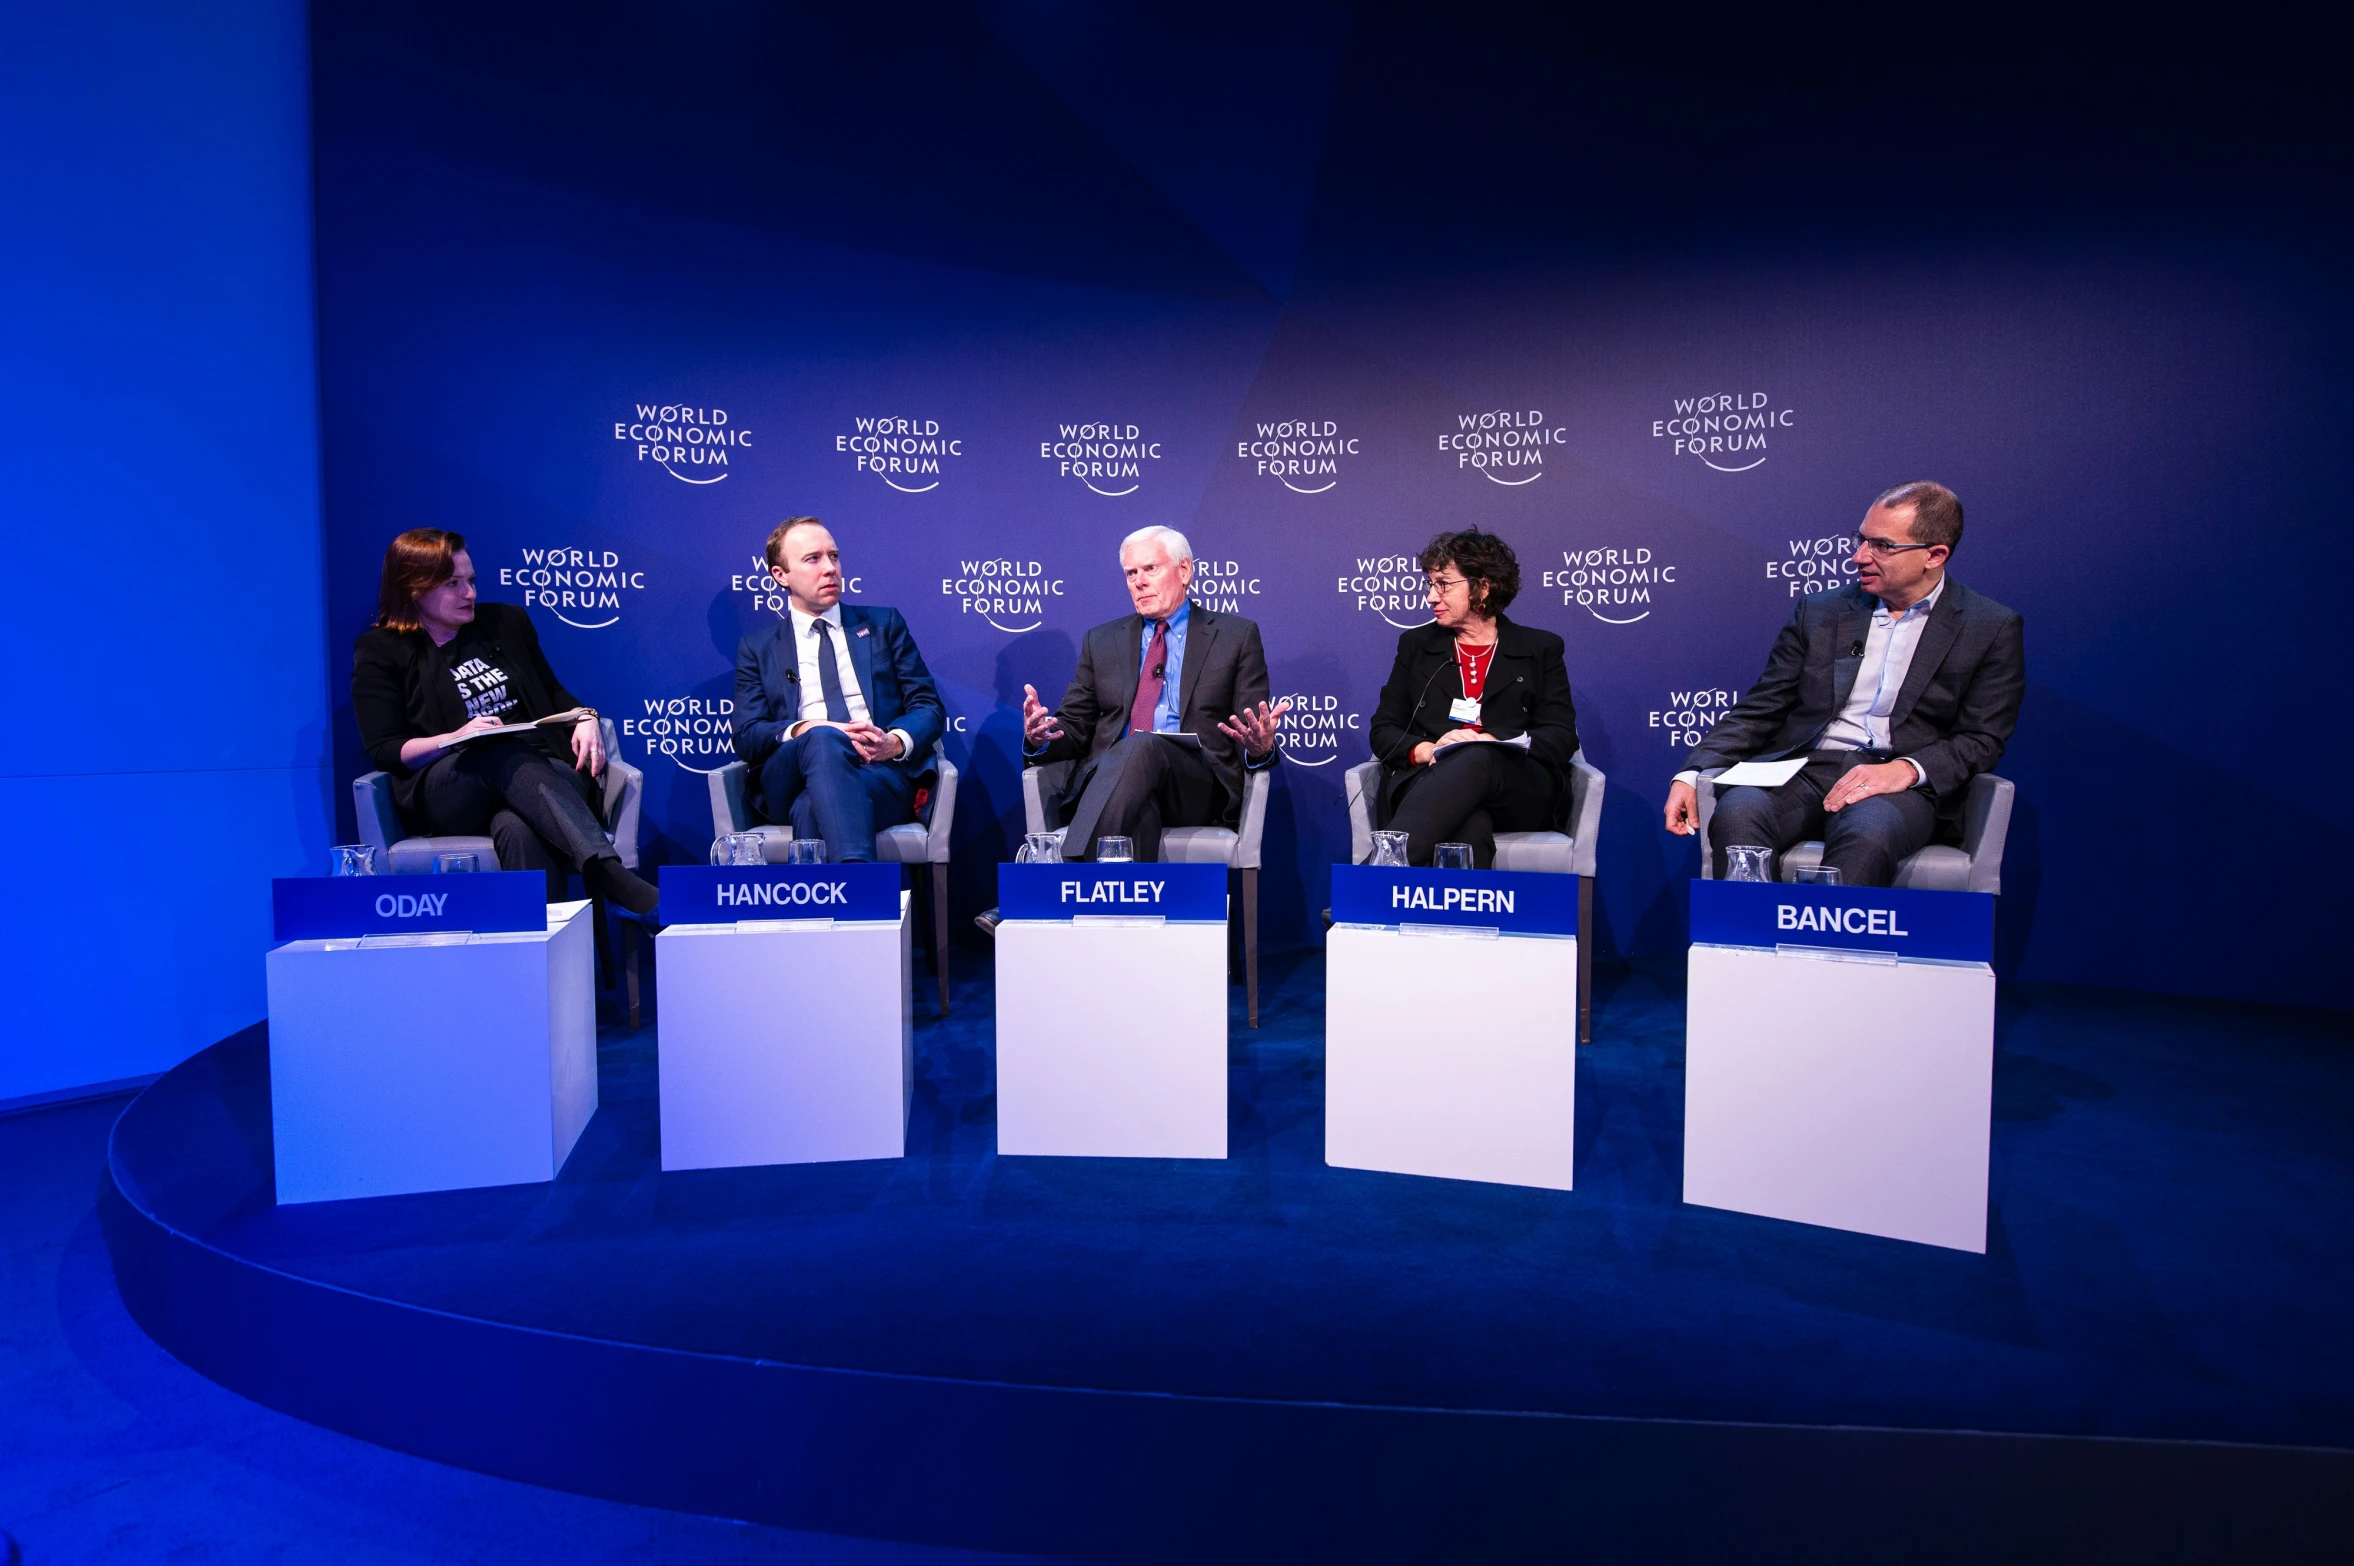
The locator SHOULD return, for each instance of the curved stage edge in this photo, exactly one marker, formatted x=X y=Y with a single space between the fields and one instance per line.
x=1122 y=1475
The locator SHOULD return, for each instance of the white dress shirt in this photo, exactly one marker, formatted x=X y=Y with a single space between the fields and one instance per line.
x=813 y=699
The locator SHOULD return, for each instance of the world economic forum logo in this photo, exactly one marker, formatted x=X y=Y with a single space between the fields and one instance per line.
x=1312 y=730
x=998 y=591
x=1389 y=586
x=1304 y=455
x=1110 y=459
x=673 y=436
x=1727 y=431
x=904 y=453
x=1504 y=446
x=1616 y=584
x=1814 y=565
x=694 y=731
x=1225 y=586
x=590 y=583
x=1689 y=715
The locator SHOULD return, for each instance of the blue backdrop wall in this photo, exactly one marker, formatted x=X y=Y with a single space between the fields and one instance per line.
x=987 y=287
x=166 y=746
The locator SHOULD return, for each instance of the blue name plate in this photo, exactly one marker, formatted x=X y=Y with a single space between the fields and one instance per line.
x=1947 y=926
x=1518 y=902
x=333 y=907
x=723 y=894
x=1188 y=892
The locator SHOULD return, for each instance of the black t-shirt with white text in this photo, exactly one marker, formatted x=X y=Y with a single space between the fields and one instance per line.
x=486 y=690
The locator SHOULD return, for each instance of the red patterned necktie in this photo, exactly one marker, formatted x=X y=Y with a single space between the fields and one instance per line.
x=1148 y=686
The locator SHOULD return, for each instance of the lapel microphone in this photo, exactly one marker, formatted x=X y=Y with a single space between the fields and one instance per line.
x=1857 y=651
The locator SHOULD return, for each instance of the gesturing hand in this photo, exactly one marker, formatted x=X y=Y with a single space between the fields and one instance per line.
x=1037 y=722
x=1254 y=729
x=588 y=747
x=1889 y=777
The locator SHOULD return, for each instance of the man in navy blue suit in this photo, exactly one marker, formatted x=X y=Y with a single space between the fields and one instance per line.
x=836 y=714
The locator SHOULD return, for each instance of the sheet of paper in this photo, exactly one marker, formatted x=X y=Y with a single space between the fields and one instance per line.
x=1761 y=774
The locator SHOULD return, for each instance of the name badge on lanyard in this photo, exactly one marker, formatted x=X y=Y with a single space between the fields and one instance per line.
x=1463 y=710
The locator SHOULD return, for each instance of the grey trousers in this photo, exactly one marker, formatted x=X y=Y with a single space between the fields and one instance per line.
x=536 y=810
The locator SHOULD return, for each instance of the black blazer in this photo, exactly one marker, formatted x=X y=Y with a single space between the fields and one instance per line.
x=1956 y=711
x=1527 y=693
x=401 y=688
x=1225 y=671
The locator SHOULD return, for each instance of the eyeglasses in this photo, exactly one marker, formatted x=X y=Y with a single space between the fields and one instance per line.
x=1444 y=584
x=1882 y=548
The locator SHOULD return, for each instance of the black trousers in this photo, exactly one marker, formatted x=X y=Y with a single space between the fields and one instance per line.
x=1138 y=787
x=539 y=812
x=1865 y=842
x=1469 y=798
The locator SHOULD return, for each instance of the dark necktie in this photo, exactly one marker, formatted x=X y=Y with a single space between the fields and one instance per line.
x=829 y=674
x=1148 y=685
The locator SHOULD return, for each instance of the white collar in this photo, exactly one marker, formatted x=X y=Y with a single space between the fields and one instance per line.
x=802 y=622
x=1924 y=605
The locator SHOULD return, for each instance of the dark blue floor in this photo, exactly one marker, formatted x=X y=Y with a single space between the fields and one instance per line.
x=2171 y=1248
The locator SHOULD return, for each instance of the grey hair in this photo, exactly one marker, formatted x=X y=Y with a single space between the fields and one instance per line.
x=1168 y=537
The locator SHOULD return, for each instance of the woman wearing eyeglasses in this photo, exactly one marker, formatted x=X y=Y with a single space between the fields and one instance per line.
x=438 y=669
x=1475 y=728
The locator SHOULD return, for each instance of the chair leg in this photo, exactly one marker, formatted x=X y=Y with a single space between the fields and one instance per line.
x=1250 y=942
x=629 y=970
x=1585 y=959
x=936 y=881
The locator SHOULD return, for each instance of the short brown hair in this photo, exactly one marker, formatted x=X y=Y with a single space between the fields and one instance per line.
x=1481 y=557
x=1937 y=512
x=776 y=540
x=415 y=563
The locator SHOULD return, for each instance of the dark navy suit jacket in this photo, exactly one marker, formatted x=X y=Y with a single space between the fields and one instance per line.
x=1954 y=714
x=890 y=672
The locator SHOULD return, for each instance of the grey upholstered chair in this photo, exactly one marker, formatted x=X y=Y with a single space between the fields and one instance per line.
x=926 y=848
x=618 y=809
x=1237 y=848
x=1976 y=866
x=1549 y=853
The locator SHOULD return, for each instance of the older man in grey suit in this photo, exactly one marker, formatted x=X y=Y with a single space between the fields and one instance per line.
x=1171 y=668
x=1898 y=691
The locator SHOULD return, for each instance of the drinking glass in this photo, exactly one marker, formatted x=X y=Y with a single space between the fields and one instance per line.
x=1389 y=848
x=806 y=851
x=1748 y=862
x=1451 y=856
x=352 y=859
x=1114 y=850
x=1819 y=875
x=1040 y=848
x=456 y=864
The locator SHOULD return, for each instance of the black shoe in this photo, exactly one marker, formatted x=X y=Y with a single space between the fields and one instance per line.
x=608 y=878
x=988 y=919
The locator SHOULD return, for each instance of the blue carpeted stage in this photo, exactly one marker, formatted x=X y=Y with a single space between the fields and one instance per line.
x=1266 y=1357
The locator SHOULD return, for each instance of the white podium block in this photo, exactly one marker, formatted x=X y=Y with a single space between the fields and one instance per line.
x=1488 y=1093
x=1855 y=1094
x=1111 y=1034
x=785 y=1041
x=431 y=1063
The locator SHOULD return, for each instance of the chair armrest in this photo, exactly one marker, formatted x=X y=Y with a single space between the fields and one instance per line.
x=1586 y=784
x=1042 y=790
x=943 y=825
x=1707 y=792
x=1252 y=828
x=1986 y=824
x=379 y=822
x=731 y=807
x=1361 y=787
x=624 y=800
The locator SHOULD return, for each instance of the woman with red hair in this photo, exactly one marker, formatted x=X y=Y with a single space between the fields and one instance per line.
x=436 y=668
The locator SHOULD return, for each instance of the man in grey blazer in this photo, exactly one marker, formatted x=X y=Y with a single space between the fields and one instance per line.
x=1171 y=668
x=1898 y=691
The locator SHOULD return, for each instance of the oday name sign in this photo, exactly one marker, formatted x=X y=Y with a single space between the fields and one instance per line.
x=324 y=908
x=1513 y=902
